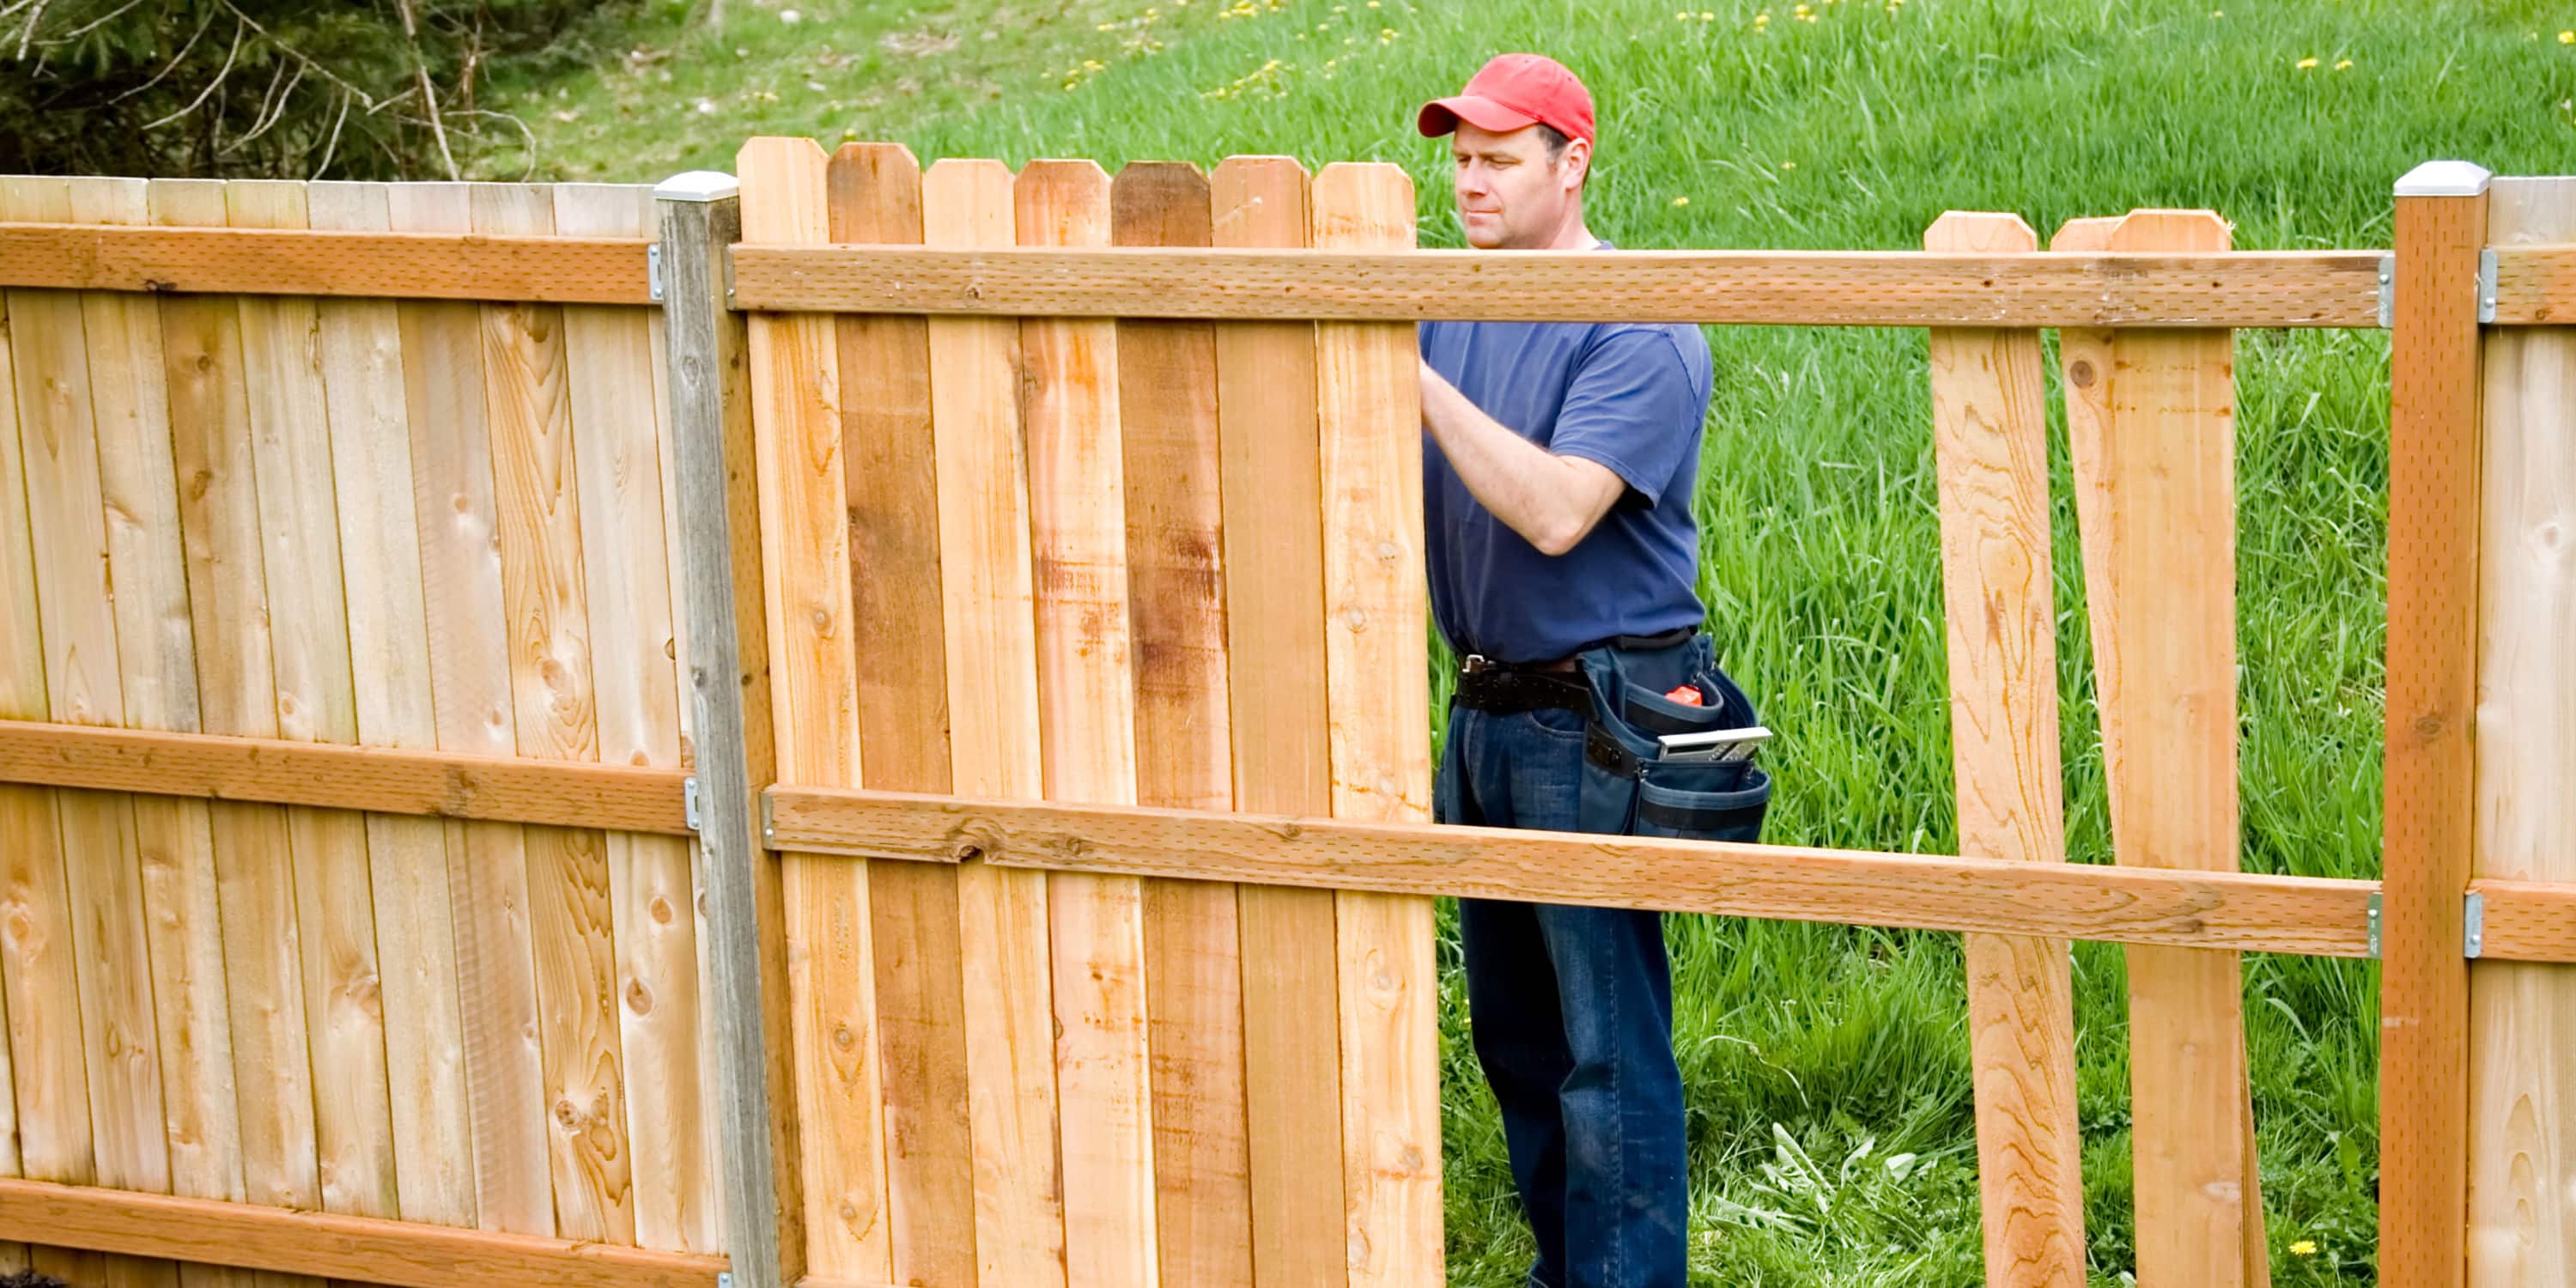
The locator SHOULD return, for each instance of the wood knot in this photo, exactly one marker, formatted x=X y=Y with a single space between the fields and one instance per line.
x=2080 y=373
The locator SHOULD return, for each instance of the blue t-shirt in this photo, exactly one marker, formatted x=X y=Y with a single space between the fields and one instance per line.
x=1631 y=397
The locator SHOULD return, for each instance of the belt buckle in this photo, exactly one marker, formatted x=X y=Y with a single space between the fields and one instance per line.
x=1477 y=664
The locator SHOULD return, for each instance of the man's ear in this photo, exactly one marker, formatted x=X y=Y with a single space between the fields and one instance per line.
x=1578 y=162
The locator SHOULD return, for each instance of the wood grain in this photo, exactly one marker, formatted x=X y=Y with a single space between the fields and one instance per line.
x=1770 y=288
x=269 y=261
x=987 y=602
x=903 y=720
x=1079 y=519
x=1274 y=553
x=2535 y=284
x=1167 y=395
x=2522 y=1017
x=38 y=949
x=2150 y=419
x=375 y=1251
x=1990 y=442
x=804 y=504
x=454 y=785
x=388 y=628
x=1368 y=413
x=2241 y=911
x=309 y=633
x=114 y=1032
x=545 y=594
x=22 y=810
x=458 y=519
x=2430 y=776
x=617 y=448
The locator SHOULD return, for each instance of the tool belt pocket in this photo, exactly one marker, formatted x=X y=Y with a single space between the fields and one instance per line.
x=1628 y=791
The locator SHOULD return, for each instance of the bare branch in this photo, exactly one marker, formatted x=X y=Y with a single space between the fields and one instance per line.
x=270 y=115
x=28 y=32
x=208 y=91
x=294 y=53
x=96 y=23
x=528 y=134
x=173 y=64
x=331 y=147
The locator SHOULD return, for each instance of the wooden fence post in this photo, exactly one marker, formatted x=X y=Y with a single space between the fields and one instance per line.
x=2432 y=684
x=724 y=625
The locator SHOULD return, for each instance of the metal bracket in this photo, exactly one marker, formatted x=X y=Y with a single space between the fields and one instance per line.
x=689 y=800
x=724 y=1279
x=768 y=828
x=2374 y=927
x=2387 y=291
x=2487 y=285
x=2473 y=924
x=653 y=273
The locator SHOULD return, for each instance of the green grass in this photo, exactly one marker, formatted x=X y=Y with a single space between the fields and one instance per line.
x=1814 y=1054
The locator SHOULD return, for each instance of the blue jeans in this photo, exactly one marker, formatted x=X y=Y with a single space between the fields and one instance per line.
x=1572 y=1016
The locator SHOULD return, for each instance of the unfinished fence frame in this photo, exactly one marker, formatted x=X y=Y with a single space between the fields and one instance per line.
x=2135 y=294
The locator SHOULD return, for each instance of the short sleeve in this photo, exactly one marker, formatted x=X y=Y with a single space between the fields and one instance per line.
x=1634 y=408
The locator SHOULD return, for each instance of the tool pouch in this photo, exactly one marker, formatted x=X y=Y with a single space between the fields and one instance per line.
x=1626 y=790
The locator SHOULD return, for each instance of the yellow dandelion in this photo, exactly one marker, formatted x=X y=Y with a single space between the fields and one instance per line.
x=1106 y=26
x=1788 y=165
x=2343 y=64
x=2304 y=1248
x=1681 y=17
x=1706 y=16
x=1761 y=20
x=1681 y=201
x=2307 y=64
x=2567 y=37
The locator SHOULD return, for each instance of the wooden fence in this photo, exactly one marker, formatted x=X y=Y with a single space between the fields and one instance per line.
x=1011 y=582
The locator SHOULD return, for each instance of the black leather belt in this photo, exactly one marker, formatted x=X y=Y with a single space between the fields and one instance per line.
x=1509 y=688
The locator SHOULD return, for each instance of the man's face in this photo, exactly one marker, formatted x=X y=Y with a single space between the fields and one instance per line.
x=1510 y=196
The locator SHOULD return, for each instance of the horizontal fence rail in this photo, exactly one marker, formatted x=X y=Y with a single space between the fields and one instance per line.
x=380 y=780
x=265 y=261
x=406 y=1254
x=2245 y=911
x=1800 y=288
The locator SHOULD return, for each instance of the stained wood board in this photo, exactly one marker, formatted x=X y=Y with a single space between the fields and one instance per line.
x=388 y=626
x=2150 y=419
x=1368 y=408
x=458 y=518
x=2522 y=1016
x=545 y=593
x=1273 y=555
x=617 y=446
x=987 y=604
x=804 y=510
x=900 y=642
x=1990 y=442
x=1167 y=382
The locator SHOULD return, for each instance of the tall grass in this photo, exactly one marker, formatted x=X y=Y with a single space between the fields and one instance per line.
x=1829 y=1101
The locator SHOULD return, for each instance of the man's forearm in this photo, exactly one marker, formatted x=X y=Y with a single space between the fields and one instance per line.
x=1551 y=501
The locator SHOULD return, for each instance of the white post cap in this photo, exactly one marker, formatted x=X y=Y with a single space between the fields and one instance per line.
x=698 y=185
x=2444 y=179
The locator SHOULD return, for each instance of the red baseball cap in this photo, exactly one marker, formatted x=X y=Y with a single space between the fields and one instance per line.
x=1511 y=92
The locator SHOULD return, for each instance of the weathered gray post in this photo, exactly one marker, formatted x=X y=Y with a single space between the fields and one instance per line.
x=728 y=677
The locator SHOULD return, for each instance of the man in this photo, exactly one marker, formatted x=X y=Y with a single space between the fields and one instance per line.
x=1558 y=466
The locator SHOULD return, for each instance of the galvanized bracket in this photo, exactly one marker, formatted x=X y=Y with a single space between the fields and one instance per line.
x=2387 y=291
x=768 y=828
x=724 y=1279
x=2473 y=924
x=689 y=800
x=2374 y=927
x=653 y=273
x=2487 y=285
